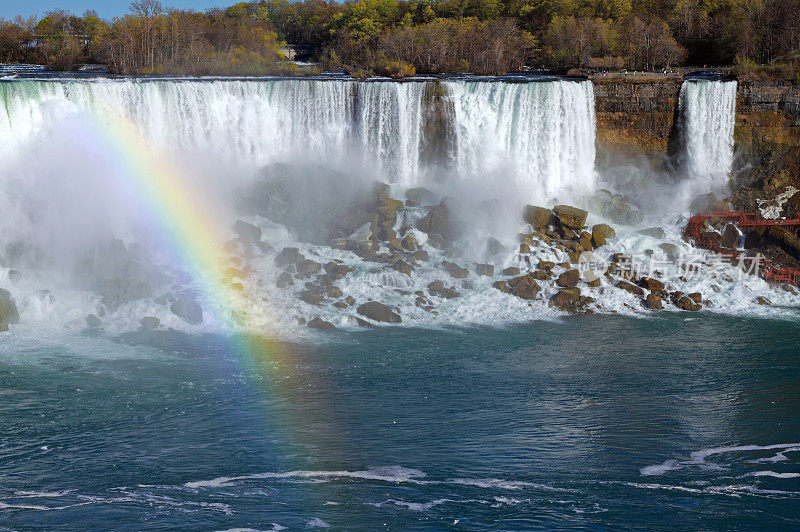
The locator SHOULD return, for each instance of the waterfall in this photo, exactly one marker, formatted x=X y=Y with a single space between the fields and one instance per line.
x=246 y=122
x=707 y=109
x=543 y=134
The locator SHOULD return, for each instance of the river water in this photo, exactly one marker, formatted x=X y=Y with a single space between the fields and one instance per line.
x=603 y=422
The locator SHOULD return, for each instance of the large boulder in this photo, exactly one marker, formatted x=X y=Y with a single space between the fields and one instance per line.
x=420 y=196
x=570 y=300
x=538 y=217
x=8 y=310
x=378 y=312
x=604 y=229
x=319 y=323
x=309 y=200
x=653 y=302
x=569 y=279
x=438 y=222
x=686 y=303
x=524 y=287
x=730 y=237
x=571 y=217
x=615 y=208
x=630 y=287
x=120 y=290
x=188 y=310
x=455 y=270
x=654 y=285
x=288 y=256
x=247 y=232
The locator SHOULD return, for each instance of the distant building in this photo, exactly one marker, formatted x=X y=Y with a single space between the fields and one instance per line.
x=298 y=53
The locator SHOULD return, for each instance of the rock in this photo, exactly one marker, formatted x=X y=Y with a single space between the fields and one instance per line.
x=455 y=270
x=789 y=288
x=312 y=296
x=494 y=247
x=484 y=269
x=385 y=234
x=93 y=321
x=288 y=256
x=538 y=217
x=421 y=255
x=188 y=310
x=654 y=285
x=598 y=238
x=570 y=300
x=541 y=275
x=615 y=208
x=569 y=279
x=149 y=323
x=761 y=300
x=395 y=245
x=604 y=229
x=409 y=243
x=670 y=250
x=702 y=203
x=730 y=237
x=421 y=196
x=630 y=287
x=511 y=270
x=319 y=323
x=249 y=233
x=585 y=241
x=546 y=265
x=697 y=297
x=655 y=232
x=524 y=248
x=653 y=302
x=403 y=267
x=524 y=287
x=500 y=285
x=437 y=222
x=8 y=308
x=336 y=271
x=378 y=312
x=308 y=267
x=285 y=279
x=120 y=290
x=571 y=217
x=334 y=292
x=686 y=303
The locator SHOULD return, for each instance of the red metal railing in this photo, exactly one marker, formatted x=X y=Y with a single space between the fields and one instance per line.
x=769 y=270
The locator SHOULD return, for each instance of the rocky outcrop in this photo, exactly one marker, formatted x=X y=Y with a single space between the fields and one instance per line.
x=378 y=312
x=635 y=115
x=188 y=310
x=8 y=310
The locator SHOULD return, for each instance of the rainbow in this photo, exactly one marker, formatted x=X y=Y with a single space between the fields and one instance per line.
x=192 y=227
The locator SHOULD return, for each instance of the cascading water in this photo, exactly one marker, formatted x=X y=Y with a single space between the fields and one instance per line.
x=708 y=112
x=246 y=122
x=541 y=133
x=389 y=127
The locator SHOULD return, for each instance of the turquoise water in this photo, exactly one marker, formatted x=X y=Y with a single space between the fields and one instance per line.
x=587 y=423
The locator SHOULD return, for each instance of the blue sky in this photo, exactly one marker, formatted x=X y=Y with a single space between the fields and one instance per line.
x=106 y=8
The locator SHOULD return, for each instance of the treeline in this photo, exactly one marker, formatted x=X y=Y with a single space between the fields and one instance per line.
x=403 y=37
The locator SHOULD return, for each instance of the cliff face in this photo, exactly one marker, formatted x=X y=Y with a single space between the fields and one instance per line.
x=635 y=115
x=638 y=114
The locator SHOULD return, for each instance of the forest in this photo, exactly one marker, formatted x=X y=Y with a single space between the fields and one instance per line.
x=398 y=38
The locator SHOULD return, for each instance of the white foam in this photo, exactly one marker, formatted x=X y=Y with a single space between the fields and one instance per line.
x=396 y=474
x=698 y=458
x=773 y=474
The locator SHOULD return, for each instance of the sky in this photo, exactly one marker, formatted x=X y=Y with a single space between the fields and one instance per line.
x=105 y=8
